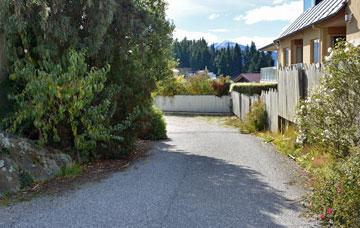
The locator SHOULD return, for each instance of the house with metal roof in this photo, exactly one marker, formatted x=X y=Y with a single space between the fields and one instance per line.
x=318 y=28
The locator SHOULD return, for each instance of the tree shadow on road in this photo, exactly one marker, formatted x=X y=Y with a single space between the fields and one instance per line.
x=214 y=193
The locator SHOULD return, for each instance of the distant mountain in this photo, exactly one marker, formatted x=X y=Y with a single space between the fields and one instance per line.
x=225 y=44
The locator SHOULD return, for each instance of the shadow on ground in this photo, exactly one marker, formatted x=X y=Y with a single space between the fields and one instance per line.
x=214 y=193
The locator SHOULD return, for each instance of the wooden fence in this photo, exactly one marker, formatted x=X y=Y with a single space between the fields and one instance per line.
x=312 y=75
x=294 y=83
x=270 y=98
x=241 y=104
x=194 y=104
x=290 y=92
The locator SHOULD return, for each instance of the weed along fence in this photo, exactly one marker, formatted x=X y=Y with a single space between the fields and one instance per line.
x=196 y=104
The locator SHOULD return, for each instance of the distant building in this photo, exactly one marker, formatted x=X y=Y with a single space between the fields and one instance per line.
x=248 y=78
x=176 y=72
x=187 y=72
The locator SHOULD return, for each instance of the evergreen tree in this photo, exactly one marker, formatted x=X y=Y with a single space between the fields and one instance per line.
x=129 y=40
x=229 y=61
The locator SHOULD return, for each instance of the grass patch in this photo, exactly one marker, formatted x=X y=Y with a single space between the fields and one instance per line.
x=310 y=158
x=71 y=171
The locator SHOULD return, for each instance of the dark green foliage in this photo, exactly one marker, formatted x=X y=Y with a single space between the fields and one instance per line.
x=252 y=88
x=4 y=103
x=231 y=61
x=26 y=180
x=124 y=47
x=154 y=127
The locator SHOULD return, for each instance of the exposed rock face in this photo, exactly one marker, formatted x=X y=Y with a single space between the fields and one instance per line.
x=22 y=161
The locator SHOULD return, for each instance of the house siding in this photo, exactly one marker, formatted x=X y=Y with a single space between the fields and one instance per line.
x=323 y=31
x=353 y=27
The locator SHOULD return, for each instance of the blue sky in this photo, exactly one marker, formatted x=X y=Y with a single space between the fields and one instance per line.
x=240 y=21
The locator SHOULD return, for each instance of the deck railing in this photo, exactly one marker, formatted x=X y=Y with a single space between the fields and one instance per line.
x=269 y=74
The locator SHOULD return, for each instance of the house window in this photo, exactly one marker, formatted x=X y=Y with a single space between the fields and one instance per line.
x=299 y=54
x=286 y=56
x=315 y=51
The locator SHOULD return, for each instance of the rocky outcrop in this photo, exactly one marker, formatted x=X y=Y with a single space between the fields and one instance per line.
x=23 y=162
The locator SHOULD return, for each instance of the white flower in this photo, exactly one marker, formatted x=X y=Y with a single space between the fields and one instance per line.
x=130 y=51
x=26 y=51
x=347 y=50
x=329 y=50
x=81 y=27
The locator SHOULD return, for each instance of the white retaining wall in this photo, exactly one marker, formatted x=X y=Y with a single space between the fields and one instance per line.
x=194 y=104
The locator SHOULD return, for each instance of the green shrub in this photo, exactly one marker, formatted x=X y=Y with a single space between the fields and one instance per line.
x=329 y=119
x=256 y=119
x=330 y=116
x=26 y=180
x=154 y=125
x=61 y=101
x=172 y=86
x=70 y=171
x=195 y=85
x=336 y=197
x=252 y=88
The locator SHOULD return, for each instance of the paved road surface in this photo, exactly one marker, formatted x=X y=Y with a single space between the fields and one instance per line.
x=205 y=175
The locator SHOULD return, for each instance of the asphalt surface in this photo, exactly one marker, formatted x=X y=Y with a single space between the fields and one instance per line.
x=205 y=175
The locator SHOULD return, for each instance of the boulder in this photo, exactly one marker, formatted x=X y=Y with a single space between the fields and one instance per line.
x=23 y=162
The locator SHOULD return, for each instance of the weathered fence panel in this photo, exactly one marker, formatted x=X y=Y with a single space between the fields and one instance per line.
x=289 y=89
x=195 y=104
x=241 y=104
x=236 y=103
x=312 y=75
x=270 y=98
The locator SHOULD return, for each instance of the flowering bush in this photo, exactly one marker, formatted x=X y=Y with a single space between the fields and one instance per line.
x=336 y=197
x=330 y=117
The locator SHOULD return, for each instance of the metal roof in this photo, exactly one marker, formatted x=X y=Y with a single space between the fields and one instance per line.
x=321 y=11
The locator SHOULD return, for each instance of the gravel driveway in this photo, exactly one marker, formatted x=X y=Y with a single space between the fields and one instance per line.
x=205 y=175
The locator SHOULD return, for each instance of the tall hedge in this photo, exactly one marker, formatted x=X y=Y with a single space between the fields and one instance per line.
x=126 y=43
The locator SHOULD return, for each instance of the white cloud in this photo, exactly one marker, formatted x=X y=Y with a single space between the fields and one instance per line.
x=258 y=40
x=239 y=18
x=284 y=12
x=276 y=2
x=221 y=30
x=184 y=8
x=213 y=16
x=181 y=34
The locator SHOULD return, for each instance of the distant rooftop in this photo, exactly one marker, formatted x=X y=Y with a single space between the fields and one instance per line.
x=325 y=9
x=247 y=77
